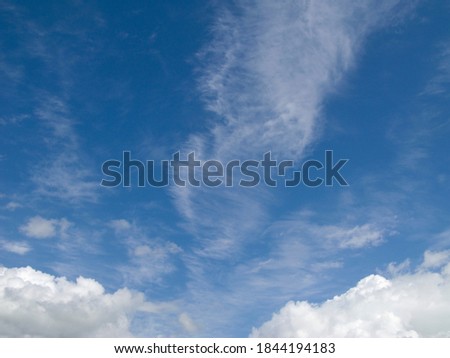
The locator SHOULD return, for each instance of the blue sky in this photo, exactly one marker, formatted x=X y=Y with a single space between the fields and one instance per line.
x=84 y=81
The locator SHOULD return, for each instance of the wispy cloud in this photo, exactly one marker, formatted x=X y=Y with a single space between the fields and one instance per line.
x=53 y=112
x=64 y=177
x=271 y=64
x=120 y=225
x=15 y=247
x=64 y=173
x=149 y=262
x=269 y=68
x=435 y=259
x=298 y=248
x=149 y=258
x=267 y=72
x=440 y=83
x=356 y=237
x=13 y=205
x=41 y=228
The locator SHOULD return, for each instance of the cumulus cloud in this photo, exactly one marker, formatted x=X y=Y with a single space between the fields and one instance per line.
x=41 y=228
x=408 y=305
x=36 y=304
x=120 y=225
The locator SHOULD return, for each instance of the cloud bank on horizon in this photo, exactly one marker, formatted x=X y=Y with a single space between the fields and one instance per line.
x=85 y=82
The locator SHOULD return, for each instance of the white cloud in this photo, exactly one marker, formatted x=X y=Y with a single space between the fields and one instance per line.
x=273 y=63
x=54 y=113
x=158 y=252
x=36 y=304
x=443 y=239
x=355 y=237
x=439 y=84
x=342 y=236
x=41 y=228
x=12 y=205
x=120 y=225
x=150 y=261
x=187 y=323
x=433 y=259
x=395 y=269
x=269 y=68
x=19 y=248
x=408 y=305
x=64 y=226
x=64 y=177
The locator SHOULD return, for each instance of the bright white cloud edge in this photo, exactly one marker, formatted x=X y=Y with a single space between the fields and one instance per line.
x=408 y=305
x=36 y=304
